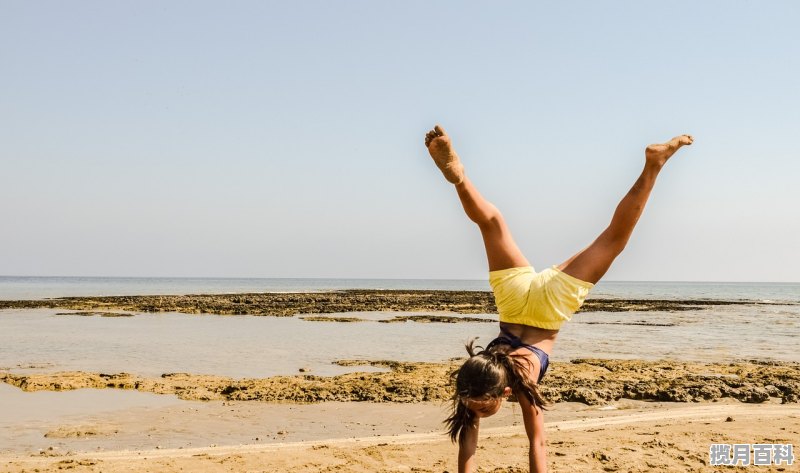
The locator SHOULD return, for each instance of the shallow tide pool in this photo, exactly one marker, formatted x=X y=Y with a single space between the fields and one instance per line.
x=249 y=346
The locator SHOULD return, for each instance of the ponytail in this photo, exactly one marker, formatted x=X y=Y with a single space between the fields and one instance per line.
x=519 y=368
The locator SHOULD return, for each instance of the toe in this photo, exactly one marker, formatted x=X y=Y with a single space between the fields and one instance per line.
x=439 y=130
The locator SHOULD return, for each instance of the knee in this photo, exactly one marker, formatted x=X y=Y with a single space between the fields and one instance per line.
x=614 y=244
x=490 y=223
x=617 y=246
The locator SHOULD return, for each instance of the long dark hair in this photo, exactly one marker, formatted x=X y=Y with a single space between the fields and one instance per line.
x=485 y=374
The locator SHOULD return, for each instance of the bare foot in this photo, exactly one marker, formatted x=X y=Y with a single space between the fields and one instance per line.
x=443 y=154
x=660 y=153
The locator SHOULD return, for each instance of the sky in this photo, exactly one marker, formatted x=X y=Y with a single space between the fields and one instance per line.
x=285 y=139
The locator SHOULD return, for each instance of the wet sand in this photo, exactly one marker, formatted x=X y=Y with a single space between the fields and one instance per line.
x=635 y=437
x=289 y=304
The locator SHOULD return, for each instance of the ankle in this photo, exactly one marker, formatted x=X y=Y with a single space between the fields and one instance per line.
x=652 y=168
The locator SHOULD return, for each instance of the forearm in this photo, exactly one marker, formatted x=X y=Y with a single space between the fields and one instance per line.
x=533 y=416
x=538 y=457
x=466 y=449
x=466 y=462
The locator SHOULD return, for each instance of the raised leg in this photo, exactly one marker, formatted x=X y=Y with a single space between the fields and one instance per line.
x=591 y=263
x=501 y=250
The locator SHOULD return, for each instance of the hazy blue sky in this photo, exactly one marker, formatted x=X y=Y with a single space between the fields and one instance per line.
x=284 y=139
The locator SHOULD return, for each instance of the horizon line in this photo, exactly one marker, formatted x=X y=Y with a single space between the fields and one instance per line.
x=379 y=279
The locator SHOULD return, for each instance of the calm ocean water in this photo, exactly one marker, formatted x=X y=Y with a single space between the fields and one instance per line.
x=13 y=287
x=246 y=346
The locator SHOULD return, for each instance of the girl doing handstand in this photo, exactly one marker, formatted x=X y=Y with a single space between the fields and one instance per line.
x=531 y=306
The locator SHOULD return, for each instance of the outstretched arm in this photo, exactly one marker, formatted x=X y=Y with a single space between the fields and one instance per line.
x=533 y=416
x=466 y=450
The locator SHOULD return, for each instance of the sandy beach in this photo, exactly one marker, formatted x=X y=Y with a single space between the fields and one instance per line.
x=625 y=436
x=609 y=415
x=381 y=415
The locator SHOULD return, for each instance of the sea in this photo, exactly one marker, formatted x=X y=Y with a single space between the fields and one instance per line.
x=764 y=327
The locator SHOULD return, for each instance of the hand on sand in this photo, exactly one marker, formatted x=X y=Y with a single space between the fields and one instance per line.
x=659 y=153
x=443 y=154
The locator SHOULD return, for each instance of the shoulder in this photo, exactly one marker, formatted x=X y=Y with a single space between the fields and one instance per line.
x=529 y=362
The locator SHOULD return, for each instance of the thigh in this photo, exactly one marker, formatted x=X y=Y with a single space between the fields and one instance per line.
x=502 y=251
x=591 y=263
